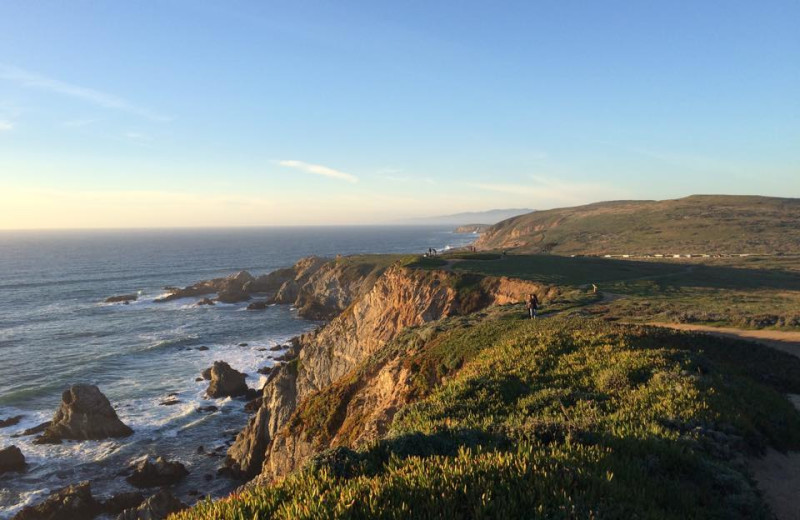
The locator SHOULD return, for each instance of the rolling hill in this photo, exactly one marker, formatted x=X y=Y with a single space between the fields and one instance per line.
x=491 y=216
x=698 y=224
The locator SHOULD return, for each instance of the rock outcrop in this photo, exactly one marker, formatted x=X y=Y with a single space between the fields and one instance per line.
x=150 y=472
x=122 y=298
x=399 y=298
x=11 y=421
x=11 y=459
x=230 y=289
x=84 y=414
x=122 y=501
x=225 y=381
x=319 y=288
x=70 y=503
x=157 y=507
x=39 y=428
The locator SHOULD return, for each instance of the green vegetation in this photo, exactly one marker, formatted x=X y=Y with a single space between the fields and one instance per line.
x=743 y=292
x=700 y=224
x=555 y=418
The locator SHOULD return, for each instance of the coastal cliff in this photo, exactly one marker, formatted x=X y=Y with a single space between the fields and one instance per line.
x=383 y=304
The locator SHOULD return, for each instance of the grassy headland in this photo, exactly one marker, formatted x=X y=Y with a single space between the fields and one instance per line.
x=700 y=224
x=555 y=418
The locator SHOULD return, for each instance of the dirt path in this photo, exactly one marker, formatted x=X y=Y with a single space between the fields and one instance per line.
x=778 y=477
x=787 y=341
x=777 y=474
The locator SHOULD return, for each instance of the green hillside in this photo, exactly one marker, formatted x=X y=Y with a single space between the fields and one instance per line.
x=699 y=224
x=559 y=418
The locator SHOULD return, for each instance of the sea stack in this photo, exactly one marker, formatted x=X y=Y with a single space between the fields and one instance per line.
x=11 y=459
x=225 y=381
x=84 y=414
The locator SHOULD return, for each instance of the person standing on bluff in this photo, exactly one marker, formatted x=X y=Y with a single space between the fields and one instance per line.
x=532 y=304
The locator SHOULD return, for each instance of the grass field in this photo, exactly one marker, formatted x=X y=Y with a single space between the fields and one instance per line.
x=741 y=292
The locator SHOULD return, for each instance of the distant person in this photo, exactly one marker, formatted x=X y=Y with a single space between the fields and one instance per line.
x=532 y=304
x=594 y=288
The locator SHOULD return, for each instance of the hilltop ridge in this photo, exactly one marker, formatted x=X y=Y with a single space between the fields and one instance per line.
x=697 y=224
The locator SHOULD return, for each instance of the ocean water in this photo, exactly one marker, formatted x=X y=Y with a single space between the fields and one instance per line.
x=55 y=331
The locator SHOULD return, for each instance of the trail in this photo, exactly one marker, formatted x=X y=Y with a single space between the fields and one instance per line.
x=786 y=341
x=776 y=474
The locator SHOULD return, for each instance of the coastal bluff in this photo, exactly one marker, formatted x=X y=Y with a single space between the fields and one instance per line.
x=370 y=306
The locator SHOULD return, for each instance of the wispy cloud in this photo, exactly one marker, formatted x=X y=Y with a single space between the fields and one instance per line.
x=318 y=169
x=546 y=191
x=6 y=126
x=30 y=79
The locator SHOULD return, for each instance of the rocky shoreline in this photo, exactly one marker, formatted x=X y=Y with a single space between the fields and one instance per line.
x=363 y=306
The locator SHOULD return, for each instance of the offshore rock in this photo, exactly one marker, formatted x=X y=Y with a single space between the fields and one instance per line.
x=84 y=414
x=11 y=459
x=156 y=472
x=11 y=421
x=122 y=298
x=122 y=501
x=157 y=507
x=259 y=305
x=69 y=503
x=225 y=381
x=39 y=428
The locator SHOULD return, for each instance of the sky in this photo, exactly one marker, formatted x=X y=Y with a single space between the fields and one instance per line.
x=177 y=113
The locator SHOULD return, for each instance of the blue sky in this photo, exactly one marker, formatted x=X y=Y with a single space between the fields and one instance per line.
x=179 y=113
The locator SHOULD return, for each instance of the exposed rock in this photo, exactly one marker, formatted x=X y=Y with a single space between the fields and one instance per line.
x=69 y=503
x=122 y=501
x=225 y=381
x=231 y=287
x=400 y=298
x=210 y=409
x=11 y=421
x=157 y=507
x=272 y=282
x=39 y=428
x=170 y=402
x=247 y=454
x=232 y=296
x=264 y=370
x=242 y=344
x=85 y=413
x=258 y=305
x=206 y=301
x=276 y=348
x=253 y=405
x=206 y=374
x=124 y=298
x=202 y=348
x=11 y=459
x=150 y=472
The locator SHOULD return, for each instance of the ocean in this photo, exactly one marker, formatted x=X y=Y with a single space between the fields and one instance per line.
x=56 y=331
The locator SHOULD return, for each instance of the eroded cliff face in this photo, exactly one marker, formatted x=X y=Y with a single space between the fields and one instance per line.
x=382 y=307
